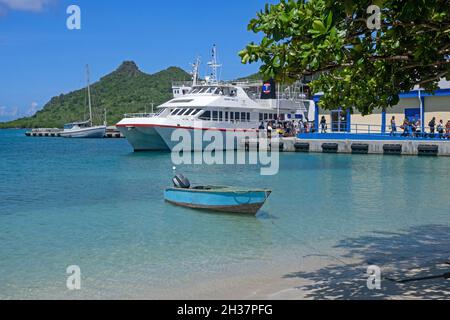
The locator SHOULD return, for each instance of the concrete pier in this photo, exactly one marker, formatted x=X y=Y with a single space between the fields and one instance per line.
x=388 y=147
x=44 y=132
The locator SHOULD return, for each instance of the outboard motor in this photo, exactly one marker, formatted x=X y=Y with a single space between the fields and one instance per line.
x=180 y=181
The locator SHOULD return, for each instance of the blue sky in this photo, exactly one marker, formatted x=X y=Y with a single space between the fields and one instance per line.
x=40 y=58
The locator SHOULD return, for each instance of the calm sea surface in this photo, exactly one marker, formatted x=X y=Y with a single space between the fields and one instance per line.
x=98 y=205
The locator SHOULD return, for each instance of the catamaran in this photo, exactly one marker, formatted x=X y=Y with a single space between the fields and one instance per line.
x=198 y=106
x=84 y=129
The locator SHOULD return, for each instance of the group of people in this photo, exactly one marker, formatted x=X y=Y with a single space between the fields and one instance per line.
x=413 y=128
x=286 y=128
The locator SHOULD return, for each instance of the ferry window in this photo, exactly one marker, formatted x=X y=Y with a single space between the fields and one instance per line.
x=196 y=111
x=236 y=116
x=275 y=117
x=243 y=116
x=186 y=113
x=206 y=116
x=231 y=116
x=191 y=111
x=174 y=111
x=220 y=116
x=266 y=116
x=160 y=111
x=248 y=116
x=226 y=116
x=215 y=116
x=270 y=116
x=180 y=111
x=261 y=117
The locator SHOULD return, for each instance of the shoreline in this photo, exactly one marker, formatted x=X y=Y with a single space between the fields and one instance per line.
x=282 y=278
x=283 y=285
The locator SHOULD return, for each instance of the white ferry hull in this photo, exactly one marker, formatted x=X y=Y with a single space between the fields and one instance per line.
x=144 y=138
x=159 y=138
x=85 y=133
x=217 y=139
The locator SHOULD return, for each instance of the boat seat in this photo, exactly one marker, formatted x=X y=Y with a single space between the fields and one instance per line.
x=202 y=188
x=180 y=181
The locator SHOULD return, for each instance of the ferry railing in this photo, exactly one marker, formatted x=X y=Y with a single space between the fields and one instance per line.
x=377 y=130
x=182 y=84
x=365 y=128
x=140 y=115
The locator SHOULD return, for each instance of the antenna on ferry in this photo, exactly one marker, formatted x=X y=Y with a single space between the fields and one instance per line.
x=213 y=64
x=195 y=71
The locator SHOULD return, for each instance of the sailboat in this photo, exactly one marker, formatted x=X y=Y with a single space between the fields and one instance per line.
x=85 y=129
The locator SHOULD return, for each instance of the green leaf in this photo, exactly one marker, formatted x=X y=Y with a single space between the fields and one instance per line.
x=276 y=63
x=329 y=20
x=319 y=26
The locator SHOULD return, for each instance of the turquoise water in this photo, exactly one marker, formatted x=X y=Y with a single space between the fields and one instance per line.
x=98 y=205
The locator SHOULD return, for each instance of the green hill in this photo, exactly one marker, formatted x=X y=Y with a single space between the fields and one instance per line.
x=254 y=77
x=126 y=90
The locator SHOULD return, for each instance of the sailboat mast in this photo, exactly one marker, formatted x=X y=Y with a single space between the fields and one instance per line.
x=89 y=94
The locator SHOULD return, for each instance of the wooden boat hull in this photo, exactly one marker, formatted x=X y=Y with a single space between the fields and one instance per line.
x=221 y=200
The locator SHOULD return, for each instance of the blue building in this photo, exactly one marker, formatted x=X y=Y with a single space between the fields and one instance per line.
x=414 y=105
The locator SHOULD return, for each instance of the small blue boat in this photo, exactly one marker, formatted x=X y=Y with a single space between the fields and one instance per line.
x=216 y=198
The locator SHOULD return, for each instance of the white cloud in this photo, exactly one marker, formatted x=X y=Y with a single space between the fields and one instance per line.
x=12 y=113
x=24 y=5
x=32 y=109
x=8 y=112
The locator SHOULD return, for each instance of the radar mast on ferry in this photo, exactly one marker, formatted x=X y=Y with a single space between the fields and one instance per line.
x=214 y=65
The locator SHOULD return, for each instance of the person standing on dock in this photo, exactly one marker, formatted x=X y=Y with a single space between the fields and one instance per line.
x=432 y=125
x=261 y=129
x=440 y=129
x=447 y=129
x=406 y=127
x=418 y=125
x=269 y=130
x=300 y=127
x=393 y=127
x=323 y=125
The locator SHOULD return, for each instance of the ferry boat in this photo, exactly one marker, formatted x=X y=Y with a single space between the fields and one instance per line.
x=237 y=107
